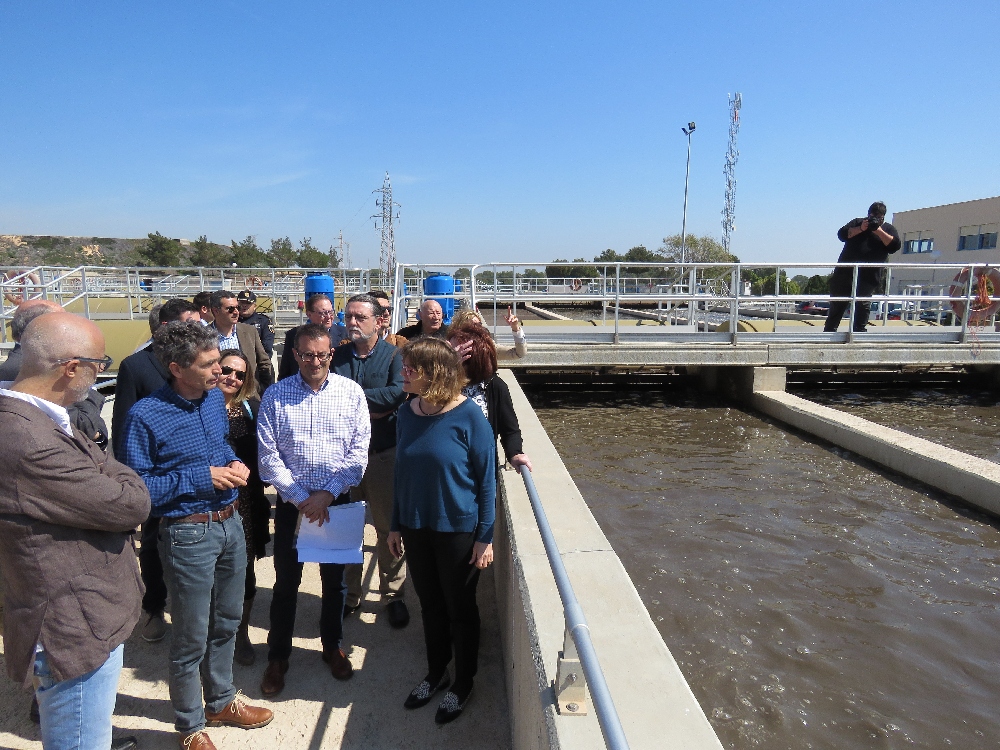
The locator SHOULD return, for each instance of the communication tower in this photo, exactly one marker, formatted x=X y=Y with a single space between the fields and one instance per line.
x=384 y=222
x=732 y=156
x=344 y=250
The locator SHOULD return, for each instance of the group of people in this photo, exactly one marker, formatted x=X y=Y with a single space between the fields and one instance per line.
x=407 y=423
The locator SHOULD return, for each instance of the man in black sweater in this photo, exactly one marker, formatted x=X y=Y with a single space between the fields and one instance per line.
x=867 y=240
x=377 y=367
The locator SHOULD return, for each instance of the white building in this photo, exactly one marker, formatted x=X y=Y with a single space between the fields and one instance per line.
x=955 y=233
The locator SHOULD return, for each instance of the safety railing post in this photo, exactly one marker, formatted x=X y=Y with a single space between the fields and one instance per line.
x=83 y=288
x=777 y=293
x=618 y=294
x=734 y=307
x=571 y=683
x=968 y=304
x=577 y=633
x=853 y=305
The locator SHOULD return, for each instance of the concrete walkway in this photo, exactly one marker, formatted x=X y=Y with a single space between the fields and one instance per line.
x=314 y=711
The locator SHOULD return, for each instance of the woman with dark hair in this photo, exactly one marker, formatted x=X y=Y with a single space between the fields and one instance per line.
x=443 y=514
x=242 y=404
x=488 y=391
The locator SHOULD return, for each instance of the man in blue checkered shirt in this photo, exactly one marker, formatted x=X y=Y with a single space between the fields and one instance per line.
x=313 y=429
x=176 y=439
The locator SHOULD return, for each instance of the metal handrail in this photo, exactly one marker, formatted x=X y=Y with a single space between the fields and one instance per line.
x=576 y=624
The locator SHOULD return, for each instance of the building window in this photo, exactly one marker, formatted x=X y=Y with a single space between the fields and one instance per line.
x=917 y=242
x=978 y=237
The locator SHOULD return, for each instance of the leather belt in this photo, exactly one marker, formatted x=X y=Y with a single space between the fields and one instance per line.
x=215 y=516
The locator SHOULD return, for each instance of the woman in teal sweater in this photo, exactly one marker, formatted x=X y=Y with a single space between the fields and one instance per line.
x=443 y=514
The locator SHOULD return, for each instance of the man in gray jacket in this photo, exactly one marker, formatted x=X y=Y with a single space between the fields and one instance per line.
x=66 y=555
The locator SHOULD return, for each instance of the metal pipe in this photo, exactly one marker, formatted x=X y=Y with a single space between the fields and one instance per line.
x=576 y=623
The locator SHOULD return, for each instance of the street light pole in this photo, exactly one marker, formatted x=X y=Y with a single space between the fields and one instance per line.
x=687 y=176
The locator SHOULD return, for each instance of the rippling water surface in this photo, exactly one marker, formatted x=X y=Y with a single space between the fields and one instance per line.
x=964 y=419
x=811 y=600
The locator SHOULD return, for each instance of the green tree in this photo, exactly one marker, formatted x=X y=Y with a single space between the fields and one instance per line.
x=571 y=272
x=818 y=284
x=697 y=249
x=310 y=256
x=247 y=254
x=158 y=250
x=282 y=254
x=762 y=281
x=210 y=255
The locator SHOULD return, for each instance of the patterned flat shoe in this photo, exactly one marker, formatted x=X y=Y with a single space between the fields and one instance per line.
x=451 y=707
x=421 y=695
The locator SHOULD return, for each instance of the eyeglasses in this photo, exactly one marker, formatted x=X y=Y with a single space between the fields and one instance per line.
x=231 y=308
x=240 y=375
x=309 y=356
x=407 y=370
x=324 y=313
x=102 y=364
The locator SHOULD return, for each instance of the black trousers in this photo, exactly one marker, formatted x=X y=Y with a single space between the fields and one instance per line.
x=151 y=568
x=288 y=576
x=446 y=583
x=840 y=286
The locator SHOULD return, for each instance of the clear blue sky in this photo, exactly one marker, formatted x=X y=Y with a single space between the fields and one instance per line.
x=511 y=131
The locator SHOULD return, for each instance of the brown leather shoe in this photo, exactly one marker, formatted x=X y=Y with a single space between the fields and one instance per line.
x=240 y=714
x=273 y=681
x=340 y=665
x=197 y=741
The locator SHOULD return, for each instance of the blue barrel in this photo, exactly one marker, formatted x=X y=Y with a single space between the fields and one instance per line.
x=319 y=283
x=442 y=283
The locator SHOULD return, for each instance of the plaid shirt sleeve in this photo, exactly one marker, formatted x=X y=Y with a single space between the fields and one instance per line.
x=163 y=486
x=355 y=461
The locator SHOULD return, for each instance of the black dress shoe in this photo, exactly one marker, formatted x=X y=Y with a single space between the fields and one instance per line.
x=452 y=706
x=421 y=695
x=124 y=743
x=349 y=610
x=399 y=615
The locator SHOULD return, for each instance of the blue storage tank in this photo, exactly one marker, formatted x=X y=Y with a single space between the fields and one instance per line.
x=319 y=283
x=442 y=283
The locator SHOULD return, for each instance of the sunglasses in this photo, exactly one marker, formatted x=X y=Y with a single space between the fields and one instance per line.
x=240 y=375
x=231 y=308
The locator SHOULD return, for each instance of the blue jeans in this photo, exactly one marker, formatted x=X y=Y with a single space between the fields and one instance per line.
x=205 y=570
x=76 y=713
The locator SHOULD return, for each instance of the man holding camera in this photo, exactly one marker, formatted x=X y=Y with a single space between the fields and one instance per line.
x=867 y=240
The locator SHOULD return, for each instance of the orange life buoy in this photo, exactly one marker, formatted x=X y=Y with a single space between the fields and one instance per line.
x=985 y=294
x=16 y=292
x=577 y=285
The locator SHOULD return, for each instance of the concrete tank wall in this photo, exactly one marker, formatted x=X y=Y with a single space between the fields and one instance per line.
x=655 y=703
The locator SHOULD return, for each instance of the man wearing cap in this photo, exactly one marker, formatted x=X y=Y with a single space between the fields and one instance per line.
x=247 y=301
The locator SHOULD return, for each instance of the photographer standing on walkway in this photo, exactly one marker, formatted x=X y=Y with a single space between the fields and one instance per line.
x=867 y=240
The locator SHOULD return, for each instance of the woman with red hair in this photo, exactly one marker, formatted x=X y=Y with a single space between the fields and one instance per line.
x=488 y=391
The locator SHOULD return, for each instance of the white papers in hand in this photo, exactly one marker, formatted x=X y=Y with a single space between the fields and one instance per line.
x=339 y=540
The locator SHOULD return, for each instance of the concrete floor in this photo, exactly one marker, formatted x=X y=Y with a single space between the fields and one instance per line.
x=314 y=711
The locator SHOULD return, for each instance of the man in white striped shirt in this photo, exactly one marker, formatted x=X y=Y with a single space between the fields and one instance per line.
x=313 y=430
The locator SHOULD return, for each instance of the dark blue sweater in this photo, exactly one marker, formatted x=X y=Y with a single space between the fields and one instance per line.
x=446 y=472
x=380 y=374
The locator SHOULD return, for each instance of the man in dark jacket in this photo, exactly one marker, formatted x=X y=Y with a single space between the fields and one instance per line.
x=377 y=367
x=66 y=515
x=319 y=310
x=139 y=375
x=247 y=301
x=430 y=322
x=867 y=240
